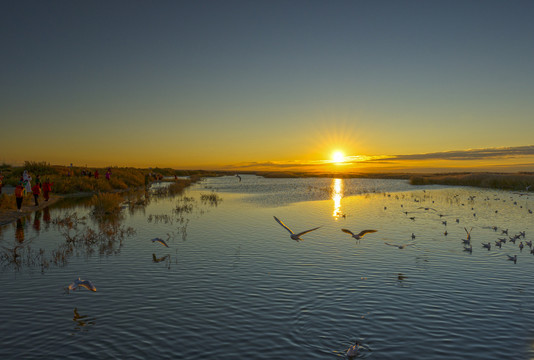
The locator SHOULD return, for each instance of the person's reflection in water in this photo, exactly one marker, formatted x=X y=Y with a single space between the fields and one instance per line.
x=19 y=231
x=46 y=217
x=37 y=221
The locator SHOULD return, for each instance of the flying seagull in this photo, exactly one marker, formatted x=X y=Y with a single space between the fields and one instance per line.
x=161 y=241
x=294 y=236
x=83 y=283
x=360 y=235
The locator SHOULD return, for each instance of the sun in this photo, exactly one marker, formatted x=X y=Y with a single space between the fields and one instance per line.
x=338 y=157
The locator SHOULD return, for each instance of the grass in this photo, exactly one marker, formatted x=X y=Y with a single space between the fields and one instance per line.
x=213 y=199
x=516 y=182
x=106 y=203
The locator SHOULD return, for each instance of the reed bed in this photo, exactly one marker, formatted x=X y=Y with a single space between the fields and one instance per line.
x=516 y=182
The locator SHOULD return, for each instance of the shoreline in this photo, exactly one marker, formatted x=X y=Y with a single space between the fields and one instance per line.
x=10 y=216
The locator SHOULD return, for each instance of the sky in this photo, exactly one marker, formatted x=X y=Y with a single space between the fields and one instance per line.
x=269 y=85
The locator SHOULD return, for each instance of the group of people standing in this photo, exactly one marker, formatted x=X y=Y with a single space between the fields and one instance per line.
x=24 y=186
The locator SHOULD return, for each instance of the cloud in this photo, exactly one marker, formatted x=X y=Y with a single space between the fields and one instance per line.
x=394 y=161
x=470 y=154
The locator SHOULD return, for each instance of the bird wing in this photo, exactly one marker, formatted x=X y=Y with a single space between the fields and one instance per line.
x=307 y=231
x=161 y=241
x=347 y=231
x=73 y=286
x=284 y=225
x=88 y=285
x=363 y=232
x=390 y=244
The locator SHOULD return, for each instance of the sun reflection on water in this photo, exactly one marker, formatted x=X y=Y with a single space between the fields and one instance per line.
x=337 y=195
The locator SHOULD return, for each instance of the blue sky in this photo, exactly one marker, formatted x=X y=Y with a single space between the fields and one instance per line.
x=212 y=84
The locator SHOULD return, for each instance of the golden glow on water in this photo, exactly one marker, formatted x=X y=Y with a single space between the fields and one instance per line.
x=337 y=195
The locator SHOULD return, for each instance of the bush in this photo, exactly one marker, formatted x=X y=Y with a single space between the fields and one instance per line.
x=106 y=203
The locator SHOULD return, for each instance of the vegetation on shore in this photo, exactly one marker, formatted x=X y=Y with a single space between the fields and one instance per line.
x=504 y=181
x=74 y=180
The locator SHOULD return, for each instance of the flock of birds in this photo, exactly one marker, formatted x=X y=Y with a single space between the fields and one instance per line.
x=353 y=350
x=505 y=238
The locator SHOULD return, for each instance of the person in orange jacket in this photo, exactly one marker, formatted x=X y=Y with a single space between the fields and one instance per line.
x=47 y=188
x=36 y=190
x=19 y=195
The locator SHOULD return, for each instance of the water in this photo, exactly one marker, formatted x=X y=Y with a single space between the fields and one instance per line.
x=233 y=285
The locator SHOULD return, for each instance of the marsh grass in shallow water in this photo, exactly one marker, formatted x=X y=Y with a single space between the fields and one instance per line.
x=213 y=199
x=79 y=239
x=106 y=203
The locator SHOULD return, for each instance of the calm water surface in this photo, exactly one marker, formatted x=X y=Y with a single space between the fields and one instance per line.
x=233 y=285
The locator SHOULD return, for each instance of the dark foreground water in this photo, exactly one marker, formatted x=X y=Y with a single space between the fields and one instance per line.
x=233 y=285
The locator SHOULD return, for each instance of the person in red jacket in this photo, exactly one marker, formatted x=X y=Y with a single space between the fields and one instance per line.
x=47 y=188
x=36 y=190
x=19 y=195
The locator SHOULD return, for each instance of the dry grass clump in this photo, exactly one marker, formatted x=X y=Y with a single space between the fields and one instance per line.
x=518 y=182
x=178 y=186
x=106 y=203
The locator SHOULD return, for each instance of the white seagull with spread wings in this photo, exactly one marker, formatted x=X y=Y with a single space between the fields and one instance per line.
x=82 y=283
x=294 y=236
x=360 y=235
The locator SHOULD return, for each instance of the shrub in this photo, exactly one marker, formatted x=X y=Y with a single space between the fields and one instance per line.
x=106 y=203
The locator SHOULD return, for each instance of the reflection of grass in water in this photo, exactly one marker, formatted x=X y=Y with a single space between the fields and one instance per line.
x=166 y=219
x=79 y=239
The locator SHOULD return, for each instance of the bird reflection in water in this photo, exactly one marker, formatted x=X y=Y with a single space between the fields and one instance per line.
x=82 y=322
x=160 y=259
x=337 y=195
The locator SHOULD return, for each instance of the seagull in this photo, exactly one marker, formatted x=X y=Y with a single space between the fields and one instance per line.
x=512 y=258
x=468 y=233
x=239 y=177
x=466 y=241
x=402 y=246
x=468 y=249
x=83 y=283
x=360 y=235
x=352 y=351
x=161 y=241
x=487 y=246
x=294 y=236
